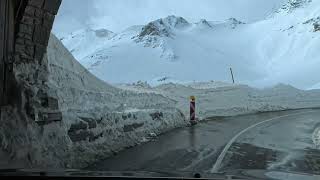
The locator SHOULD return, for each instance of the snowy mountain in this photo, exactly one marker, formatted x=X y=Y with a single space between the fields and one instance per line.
x=293 y=4
x=86 y=41
x=161 y=46
x=282 y=48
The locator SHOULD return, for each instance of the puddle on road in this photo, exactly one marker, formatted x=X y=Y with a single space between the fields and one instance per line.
x=248 y=156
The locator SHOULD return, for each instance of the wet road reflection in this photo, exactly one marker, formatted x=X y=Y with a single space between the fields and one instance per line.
x=196 y=148
x=192 y=137
x=248 y=156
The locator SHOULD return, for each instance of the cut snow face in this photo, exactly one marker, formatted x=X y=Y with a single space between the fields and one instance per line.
x=280 y=49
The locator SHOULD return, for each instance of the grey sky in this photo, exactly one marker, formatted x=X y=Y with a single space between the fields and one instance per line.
x=117 y=15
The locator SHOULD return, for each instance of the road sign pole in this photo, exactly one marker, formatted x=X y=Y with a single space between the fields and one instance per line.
x=192 y=110
x=232 y=75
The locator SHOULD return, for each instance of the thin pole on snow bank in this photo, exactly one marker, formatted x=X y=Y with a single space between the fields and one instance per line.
x=232 y=75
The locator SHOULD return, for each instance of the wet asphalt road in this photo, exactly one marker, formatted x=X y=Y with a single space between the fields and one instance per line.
x=283 y=142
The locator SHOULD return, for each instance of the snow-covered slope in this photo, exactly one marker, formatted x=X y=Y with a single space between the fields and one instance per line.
x=169 y=47
x=282 y=48
x=86 y=41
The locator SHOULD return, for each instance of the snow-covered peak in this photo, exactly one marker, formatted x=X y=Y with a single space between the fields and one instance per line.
x=163 y=26
x=204 y=23
x=229 y=23
x=156 y=33
x=294 y=4
x=234 y=21
x=175 y=22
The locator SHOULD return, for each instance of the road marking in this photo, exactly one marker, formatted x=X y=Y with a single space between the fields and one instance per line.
x=216 y=166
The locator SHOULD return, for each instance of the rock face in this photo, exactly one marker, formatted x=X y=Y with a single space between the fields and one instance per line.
x=163 y=27
x=96 y=119
x=316 y=27
x=103 y=33
x=234 y=22
x=205 y=23
x=153 y=33
x=293 y=4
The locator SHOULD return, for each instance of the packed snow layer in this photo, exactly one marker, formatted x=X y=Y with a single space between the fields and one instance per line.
x=280 y=49
x=107 y=111
x=97 y=119
x=316 y=137
x=223 y=99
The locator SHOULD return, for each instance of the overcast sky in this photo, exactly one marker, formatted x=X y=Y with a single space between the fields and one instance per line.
x=116 y=15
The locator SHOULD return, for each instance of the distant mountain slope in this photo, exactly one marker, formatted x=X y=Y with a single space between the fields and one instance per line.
x=86 y=41
x=282 y=48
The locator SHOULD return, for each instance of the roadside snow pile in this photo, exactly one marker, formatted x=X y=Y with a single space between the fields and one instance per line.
x=316 y=137
x=100 y=119
x=209 y=85
x=223 y=99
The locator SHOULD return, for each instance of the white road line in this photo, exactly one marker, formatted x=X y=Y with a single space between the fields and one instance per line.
x=216 y=166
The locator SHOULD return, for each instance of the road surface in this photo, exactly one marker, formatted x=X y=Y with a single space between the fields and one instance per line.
x=273 y=141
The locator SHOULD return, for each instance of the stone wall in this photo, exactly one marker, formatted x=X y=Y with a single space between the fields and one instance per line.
x=33 y=30
x=24 y=100
x=32 y=34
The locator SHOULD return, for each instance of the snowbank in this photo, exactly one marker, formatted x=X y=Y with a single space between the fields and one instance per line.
x=97 y=119
x=316 y=137
x=223 y=99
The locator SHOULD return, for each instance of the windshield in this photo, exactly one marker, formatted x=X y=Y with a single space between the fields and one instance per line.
x=166 y=88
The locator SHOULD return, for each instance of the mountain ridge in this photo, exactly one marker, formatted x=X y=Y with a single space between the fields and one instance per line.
x=172 y=47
